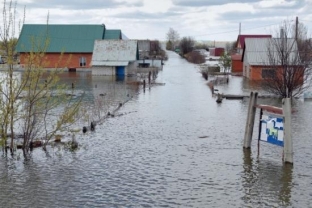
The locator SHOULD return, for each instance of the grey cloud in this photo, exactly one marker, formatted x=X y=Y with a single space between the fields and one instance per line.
x=82 y=4
x=145 y=15
x=278 y=13
x=199 y=3
x=249 y=16
x=282 y=6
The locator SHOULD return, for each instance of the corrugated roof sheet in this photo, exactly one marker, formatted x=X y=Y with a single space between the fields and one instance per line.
x=114 y=51
x=241 y=38
x=62 y=38
x=112 y=35
x=257 y=50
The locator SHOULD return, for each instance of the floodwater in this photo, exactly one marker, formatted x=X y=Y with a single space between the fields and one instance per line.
x=171 y=146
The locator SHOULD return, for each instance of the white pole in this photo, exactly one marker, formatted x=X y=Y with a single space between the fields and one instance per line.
x=288 y=144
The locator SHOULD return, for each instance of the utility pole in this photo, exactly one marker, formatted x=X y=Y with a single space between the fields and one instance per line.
x=296 y=34
x=238 y=50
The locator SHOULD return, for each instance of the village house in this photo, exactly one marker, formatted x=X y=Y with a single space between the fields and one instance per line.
x=69 y=46
x=144 y=47
x=216 y=51
x=260 y=59
x=150 y=54
x=115 y=57
x=237 y=64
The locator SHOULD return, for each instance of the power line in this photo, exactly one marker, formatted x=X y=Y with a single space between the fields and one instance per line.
x=236 y=30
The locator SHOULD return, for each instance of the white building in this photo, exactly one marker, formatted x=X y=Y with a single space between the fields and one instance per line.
x=114 y=57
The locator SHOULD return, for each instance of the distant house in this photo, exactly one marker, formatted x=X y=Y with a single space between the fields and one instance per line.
x=216 y=51
x=148 y=49
x=114 y=57
x=256 y=59
x=237 y=65
x=75 y=42
x=144 y=47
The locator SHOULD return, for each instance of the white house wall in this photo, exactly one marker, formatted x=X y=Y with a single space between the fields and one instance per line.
x=131 y=68
x=111 y=70
x=104 y=70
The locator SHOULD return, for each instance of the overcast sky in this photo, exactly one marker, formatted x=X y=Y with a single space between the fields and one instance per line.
x=151 y=19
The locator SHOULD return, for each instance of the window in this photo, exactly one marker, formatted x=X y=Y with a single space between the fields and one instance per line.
x=82 y=61
x=268 y=73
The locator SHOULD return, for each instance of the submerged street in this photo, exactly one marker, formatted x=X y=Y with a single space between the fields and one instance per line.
x=171 y=146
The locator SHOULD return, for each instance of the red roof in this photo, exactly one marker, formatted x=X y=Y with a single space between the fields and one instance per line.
x=241 y=38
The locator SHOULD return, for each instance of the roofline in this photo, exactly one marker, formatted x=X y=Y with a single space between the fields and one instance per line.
x=62 y=24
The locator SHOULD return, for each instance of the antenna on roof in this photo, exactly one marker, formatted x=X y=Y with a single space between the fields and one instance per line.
x=240 y=27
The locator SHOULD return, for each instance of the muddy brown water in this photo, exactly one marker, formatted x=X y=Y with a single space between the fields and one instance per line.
x=173 y=146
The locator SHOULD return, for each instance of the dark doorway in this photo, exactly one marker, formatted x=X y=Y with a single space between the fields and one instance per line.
x=120 y=70
x=72 y=69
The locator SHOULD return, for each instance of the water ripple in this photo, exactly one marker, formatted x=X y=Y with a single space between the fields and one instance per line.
x=155 y=156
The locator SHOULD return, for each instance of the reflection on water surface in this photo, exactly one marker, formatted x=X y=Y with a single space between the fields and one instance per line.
x=173 y=146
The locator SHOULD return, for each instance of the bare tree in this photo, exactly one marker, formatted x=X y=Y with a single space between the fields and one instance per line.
x=29 y=104
x=186 y=45
x=288 y=68
x=9 y=87
x=172 y=39
x=304 y=43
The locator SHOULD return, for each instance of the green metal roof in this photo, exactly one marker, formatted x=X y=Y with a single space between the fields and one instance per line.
x=62 y=38
x=112 y=34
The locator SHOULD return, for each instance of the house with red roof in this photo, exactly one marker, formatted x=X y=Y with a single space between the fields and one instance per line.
x=237 y=64
x=240 y=42
x=261 y=60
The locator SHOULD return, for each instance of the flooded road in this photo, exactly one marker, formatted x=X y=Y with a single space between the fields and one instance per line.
x=172 y=146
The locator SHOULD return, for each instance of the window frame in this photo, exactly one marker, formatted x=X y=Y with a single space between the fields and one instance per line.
x=268 y=73
x=82 y=61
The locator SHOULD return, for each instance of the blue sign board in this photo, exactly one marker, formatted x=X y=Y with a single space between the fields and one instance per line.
x=272 y=129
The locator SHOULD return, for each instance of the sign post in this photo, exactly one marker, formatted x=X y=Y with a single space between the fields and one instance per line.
x=272 y=129
x=250 y=119
x=274 y=126
x=288 y=144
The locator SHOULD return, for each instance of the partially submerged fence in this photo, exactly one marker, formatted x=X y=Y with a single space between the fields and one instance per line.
x=274 y=125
